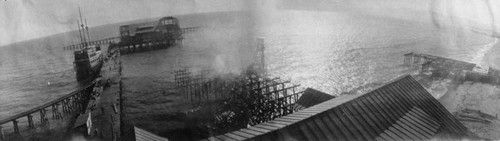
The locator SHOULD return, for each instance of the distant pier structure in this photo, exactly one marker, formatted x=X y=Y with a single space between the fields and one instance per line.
x=451 y=68
x=138 y=37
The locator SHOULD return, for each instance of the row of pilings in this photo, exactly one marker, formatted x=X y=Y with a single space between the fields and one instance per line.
x=98 y=42
x=147 y=46
x=28 y=123
x=257 y=98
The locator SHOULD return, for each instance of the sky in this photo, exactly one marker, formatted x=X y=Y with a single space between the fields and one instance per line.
x=28 y=19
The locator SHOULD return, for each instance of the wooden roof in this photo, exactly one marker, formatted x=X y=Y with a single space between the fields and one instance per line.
x=399 y=110
x=310 y=98
x=139 y=134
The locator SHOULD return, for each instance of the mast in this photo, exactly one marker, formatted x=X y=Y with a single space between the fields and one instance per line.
x=82 y=26
x=87 y=28
x=79 y=31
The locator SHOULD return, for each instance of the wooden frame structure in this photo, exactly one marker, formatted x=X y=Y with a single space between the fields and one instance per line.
x=74 y=102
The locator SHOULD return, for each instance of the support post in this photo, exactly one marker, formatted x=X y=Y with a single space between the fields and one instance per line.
x=31 y=125
x=16 y=127
x=43 y=117
x=2 y=135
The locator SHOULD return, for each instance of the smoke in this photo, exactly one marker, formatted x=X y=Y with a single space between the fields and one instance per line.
x=224 y=41
x=230 y=40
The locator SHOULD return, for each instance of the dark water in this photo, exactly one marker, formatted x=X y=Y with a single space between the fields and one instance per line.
x=332 y=52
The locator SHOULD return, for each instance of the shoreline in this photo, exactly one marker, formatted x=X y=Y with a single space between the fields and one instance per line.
x=491 y=56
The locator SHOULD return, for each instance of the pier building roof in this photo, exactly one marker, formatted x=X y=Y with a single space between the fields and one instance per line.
x=141 y=135
x=310 y=98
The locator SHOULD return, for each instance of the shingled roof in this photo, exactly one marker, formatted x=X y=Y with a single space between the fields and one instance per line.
x=400 y=110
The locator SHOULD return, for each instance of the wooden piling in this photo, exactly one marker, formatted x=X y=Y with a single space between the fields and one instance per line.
x=31 y=125
x=2 y=135
x=16 y=127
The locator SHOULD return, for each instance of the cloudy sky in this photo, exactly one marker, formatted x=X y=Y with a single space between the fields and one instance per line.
x=28 y=19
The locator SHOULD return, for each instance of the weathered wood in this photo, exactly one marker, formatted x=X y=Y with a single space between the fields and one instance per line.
x=16 y=127
x=31 y=125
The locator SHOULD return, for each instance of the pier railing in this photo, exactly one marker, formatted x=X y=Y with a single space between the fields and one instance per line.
x=74 y=102
x=102 y=41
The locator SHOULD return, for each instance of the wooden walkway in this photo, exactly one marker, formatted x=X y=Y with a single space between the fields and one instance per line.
x=400 y=110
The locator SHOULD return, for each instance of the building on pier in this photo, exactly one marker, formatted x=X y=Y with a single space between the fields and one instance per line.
x=166 y=28
x=451 y=68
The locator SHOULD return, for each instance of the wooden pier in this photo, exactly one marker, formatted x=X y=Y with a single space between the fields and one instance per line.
x=23 y=123
x=451 y=68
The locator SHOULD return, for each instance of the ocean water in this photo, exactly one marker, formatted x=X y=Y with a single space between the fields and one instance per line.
x=328 y=51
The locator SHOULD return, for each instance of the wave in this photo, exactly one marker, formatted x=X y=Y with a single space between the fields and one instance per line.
x=479 y=56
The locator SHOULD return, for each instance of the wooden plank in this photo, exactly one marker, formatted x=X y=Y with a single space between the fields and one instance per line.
x=315 y=130
x=418 y=110
x=361 y=129
x=392 y=135
x=345 y=127
x=269 y=127
x=411 y=128
x=234 y=136
x=379 y=139
x=251 y=132
x=363 y=116
x=427 y=131
x=396 y=102
x=284 y=135
x=260 y=130
x=399 y=133
x=382 y=107
x=406 y=132
x=307 y=134
x=291 y=117
x=335 y=131
x=396 y=113
x=273 y=124
x=379 y=116
x=436 y=110
x=225 y=138
x=280 y=123
x=286 y=120
x=303 y=116
x=214 y=139
x=422 y=122
x=322 y=127
x=386 y=137
x=243 y=134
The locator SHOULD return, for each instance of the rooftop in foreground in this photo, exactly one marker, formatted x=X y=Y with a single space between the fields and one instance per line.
x=400 y=110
